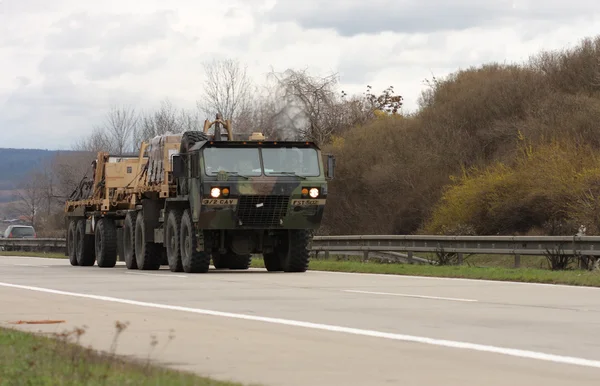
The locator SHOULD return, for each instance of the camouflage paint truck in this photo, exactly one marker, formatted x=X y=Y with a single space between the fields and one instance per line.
x=190 y=198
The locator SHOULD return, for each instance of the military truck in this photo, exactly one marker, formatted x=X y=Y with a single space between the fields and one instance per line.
x=190 y=198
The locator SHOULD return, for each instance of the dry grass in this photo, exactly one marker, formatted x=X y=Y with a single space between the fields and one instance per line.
x=59 y=359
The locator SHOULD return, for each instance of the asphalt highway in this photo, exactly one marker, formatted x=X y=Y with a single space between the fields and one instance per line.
x=318 y=328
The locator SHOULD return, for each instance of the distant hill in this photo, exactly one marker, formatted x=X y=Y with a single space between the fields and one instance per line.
x=15 y=164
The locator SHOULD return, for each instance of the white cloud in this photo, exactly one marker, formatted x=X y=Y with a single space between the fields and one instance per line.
x=65 y=61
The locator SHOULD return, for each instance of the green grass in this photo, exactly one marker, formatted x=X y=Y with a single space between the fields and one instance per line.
x=51 y=255
x=530 y=275
x=32 y=359
x=534 y=269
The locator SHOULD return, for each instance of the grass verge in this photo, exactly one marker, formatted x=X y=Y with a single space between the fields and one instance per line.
x=528 y=275
x=51 y=255
x=488 y=268
x=32 y=359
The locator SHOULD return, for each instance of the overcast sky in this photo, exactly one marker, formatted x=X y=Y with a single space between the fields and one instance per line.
x=63 y=62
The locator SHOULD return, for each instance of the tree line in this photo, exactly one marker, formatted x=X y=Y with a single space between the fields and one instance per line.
x=293 y=104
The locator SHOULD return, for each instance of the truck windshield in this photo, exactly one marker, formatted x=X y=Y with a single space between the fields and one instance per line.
x=243 y=161
x=299 y=161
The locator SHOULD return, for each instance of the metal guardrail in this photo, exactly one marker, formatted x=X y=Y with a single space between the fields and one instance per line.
x=496 y=245
x=399 y=244
x=33 y=244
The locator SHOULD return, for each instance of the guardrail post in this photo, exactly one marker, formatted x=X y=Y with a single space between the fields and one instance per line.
x=517 y=261
x=365 y=255
x=460 y=259
x=326 y=255
x=410 y=257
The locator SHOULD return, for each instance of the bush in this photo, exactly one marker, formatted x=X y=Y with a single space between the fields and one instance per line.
x=394 y=174
x=551 y=188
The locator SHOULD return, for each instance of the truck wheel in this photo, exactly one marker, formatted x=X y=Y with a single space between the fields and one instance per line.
x=129 y=240
x=235 y=261
x=172 y=242
x=219 y=260
x=164 y=260
x=296 y=256
x=85 y=245
x=71 y=245
x=272 y=262
x=193 y=261
x=147 y=254
x=106 y=243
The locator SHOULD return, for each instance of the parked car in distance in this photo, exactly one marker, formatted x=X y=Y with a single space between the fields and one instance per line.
x=19 y=232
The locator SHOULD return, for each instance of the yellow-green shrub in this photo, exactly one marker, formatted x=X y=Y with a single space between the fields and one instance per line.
x=551 y=187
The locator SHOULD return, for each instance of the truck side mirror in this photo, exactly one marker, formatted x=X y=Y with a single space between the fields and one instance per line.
x=330 y=166
x=178 y=166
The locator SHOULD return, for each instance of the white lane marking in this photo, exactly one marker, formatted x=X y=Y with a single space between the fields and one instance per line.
x=438 y=278
x=317 y=326
x=154 y=274
x=410 y=296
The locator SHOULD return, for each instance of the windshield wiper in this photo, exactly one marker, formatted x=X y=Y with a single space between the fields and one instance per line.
x=290 y=174
x=239 y=175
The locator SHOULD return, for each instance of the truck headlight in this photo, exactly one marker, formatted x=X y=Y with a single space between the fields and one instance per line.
x=314 y=192
x=215 y=192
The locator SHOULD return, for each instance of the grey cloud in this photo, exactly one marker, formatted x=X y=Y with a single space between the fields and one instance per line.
x=18 y=7
x=112 y=64
x=60 y=62
x=352 y=17
x=56 y=113
x=84 y=31
x=110 y=35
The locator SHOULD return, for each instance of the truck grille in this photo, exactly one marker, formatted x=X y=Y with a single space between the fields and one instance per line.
x=273 y=208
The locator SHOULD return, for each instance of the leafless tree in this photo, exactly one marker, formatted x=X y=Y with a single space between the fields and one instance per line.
x=309 y=104
x=164 y=120
x=97 y=141
x=30 y=195
x=121 y=123
x=227 y=90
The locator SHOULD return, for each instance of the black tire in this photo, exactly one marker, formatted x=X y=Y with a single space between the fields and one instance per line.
x=164 y=260
x=129 y=240
x=84 y=246
x=193 y=261
x=172 y=243
x=71 y=245
x=238 y=262
x=220 y=260
x=189 y=139
x=292 y=254
x=272 y=262
x=297 y=257
x=106 y=243
x=148 y=255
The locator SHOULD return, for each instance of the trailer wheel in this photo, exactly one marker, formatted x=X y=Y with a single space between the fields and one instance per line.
x=106 y=243
x=129 y=241
x=85 y=245
x=71 y=245
x=193 y=261
x=172 y=231
x=147 y=254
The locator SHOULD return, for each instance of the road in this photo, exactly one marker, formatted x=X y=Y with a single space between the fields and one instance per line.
x=319 y=328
